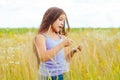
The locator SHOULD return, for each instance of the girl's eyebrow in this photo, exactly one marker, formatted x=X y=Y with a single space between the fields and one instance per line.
x=61 y=17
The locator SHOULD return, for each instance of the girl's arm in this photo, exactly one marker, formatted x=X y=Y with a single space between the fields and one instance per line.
x=44 y=54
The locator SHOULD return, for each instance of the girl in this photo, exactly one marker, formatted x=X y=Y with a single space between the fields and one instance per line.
x=51 y=45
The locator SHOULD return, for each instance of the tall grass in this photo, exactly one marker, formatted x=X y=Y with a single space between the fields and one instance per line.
x=17 y=61
x=100 y=55
x=98 y=60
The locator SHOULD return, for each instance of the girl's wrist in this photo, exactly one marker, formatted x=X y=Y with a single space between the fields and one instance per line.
x=74 y=50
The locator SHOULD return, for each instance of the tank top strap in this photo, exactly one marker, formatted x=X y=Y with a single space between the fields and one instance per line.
x=44 y=35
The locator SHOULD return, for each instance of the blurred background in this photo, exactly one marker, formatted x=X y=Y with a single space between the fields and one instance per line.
x=81 y=13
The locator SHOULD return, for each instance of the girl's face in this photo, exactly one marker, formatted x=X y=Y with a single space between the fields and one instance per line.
x=59 y=23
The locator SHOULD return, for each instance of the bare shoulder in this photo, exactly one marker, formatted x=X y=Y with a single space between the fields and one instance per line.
x=39 y=37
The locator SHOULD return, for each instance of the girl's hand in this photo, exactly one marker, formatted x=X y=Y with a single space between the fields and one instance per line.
x=78 y=48
x=67 y=42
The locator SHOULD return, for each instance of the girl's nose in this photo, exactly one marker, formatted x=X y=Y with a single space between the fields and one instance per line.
x=62 y=23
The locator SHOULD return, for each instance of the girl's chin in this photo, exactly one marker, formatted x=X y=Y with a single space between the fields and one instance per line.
x=57 y=31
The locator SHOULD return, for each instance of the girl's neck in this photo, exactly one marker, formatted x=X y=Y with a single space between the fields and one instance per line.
x=52 y=34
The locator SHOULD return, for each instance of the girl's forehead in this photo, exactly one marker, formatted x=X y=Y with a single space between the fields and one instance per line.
x=62 y=15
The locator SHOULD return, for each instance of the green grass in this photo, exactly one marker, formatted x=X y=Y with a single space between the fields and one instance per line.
x=17 y=30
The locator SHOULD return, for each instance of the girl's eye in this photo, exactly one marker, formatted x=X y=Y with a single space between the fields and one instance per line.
x=60 y=19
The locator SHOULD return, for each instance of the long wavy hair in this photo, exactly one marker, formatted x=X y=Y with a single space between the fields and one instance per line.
x=50 y=16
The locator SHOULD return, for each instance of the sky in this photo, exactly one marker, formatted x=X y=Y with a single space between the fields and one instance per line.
x=80 y=13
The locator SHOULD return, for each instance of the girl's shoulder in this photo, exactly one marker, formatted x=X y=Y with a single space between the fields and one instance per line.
x=39 y=37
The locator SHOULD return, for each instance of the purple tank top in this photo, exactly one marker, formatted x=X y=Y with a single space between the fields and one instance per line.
x=58 y=64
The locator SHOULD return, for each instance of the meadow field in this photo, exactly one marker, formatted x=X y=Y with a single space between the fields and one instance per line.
x=98 y=60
